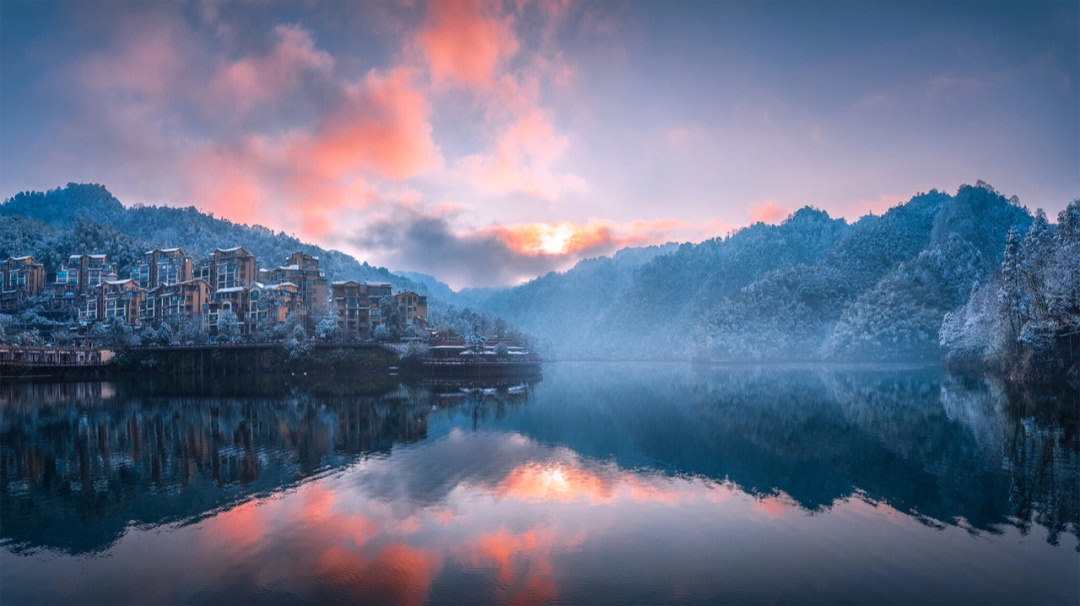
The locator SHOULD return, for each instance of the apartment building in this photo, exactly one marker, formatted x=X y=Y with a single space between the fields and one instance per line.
x=352 y=307
x=162 y=267
x=302 y=270
x=84 y=272
x=269 y=304
x=413 y=307
x=186 y=298
x=376 y=291
x=119 y=299
x=20 y=278
x=229 y=268
x=234 y=298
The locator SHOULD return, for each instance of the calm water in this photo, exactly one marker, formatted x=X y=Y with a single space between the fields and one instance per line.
x=598 y=484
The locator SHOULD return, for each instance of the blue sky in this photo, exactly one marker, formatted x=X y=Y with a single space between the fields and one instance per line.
x=489 y=142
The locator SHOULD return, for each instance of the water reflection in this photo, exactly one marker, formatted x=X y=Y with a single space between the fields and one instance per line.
x=600 y=484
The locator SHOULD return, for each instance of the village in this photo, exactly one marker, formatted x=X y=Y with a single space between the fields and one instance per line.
x=227 y=296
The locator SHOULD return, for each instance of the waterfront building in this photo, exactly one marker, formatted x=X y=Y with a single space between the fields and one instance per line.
x=120 y=299
x=376 y=292
x=413 y=307
x=229 y=268
x=269 y=305
x=234 y=298
x=20 y=278
x=352 y=308
x=162 y=267
x=186 y=298
x=84 y=272
x=302 y=270
x=87 y=306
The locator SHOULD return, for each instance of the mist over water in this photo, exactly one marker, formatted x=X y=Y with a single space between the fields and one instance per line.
x=600 y=483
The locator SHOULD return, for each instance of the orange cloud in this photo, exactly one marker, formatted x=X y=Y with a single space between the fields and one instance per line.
x=465 y=42
x=595 y=236
x=523 y=563
x=551 y=238
x=567 y=482
x=380 y=128
x=397 y=574
x=237 y=528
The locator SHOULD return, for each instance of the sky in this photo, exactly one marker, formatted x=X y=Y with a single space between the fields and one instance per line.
x=487 y=142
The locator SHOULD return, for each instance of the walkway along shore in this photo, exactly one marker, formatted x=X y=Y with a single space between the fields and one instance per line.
x=230 y=360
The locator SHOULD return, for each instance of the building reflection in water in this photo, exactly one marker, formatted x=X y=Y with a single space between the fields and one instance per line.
x=594 y=485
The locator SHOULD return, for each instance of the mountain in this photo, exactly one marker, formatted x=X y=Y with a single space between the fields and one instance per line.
x=811 y=288
x=87 y=218
x=558 y=305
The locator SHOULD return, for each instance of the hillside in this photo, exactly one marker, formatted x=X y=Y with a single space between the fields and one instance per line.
x=811 y=288
x=87 y=218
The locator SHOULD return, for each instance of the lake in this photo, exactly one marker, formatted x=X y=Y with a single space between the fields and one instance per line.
x=600 y=483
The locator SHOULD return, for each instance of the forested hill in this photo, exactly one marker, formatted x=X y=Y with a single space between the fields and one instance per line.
x=87 y=218
x=810 y=288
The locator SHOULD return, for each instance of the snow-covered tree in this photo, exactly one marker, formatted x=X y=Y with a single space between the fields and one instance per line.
x=228 y=327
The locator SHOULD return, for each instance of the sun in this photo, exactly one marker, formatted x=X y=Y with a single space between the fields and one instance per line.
x=555 y=239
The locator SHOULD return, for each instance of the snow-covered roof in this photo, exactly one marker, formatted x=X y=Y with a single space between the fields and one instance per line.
x=230 y=289
x=118 y=282
x=24 y=258
x=380 y=284
x=343 y=283
x=289 y=267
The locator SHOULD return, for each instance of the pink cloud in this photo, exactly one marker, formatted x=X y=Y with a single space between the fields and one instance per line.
x=767 y=212
x=378 y=128
x=251 y=79
x=524 y=160
x=381 y=126
x=146 y=61
x=465 y=42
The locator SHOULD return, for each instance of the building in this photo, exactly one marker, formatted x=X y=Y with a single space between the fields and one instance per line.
x=186 y=298
x=20 y=278
x=161 y=267
x=234 y=298
x=84 y=272
x=120 y=299
x=302 y=270
x=229 y=268
x=269 y=304
x=352 y=307
x=413 y=307
x=376 y=291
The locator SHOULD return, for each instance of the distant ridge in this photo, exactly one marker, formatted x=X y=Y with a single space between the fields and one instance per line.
x=810 y=288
